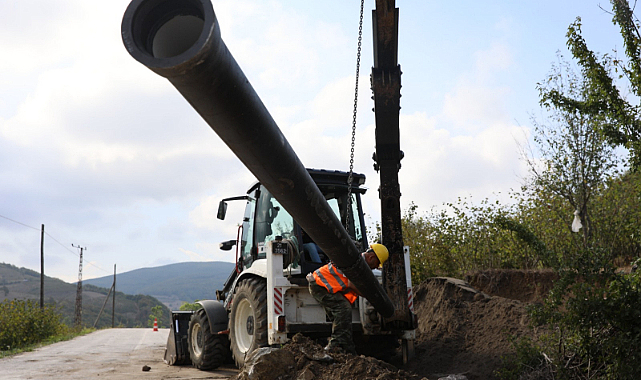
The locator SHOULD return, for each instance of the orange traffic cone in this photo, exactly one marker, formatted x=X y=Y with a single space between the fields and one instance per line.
x=155 y=324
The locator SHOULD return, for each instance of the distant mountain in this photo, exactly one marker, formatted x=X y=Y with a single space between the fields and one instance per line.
x=172 y=284
x=131 y=311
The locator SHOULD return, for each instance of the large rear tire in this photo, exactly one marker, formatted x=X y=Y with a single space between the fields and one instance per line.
x=207 y=350
x=248 y=318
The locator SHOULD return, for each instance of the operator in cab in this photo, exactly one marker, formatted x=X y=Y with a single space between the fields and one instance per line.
x=331 y=288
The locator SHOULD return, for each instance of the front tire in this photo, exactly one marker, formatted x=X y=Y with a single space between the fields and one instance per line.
x=207 y=350
x=248 y=318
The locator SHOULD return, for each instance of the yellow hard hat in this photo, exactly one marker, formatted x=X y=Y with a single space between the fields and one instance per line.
x=381 y=252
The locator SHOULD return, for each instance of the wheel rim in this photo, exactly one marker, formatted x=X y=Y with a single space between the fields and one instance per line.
x=244 y=323
x=197 y=339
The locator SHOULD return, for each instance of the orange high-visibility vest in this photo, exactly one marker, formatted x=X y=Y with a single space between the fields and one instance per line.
x=332 y=279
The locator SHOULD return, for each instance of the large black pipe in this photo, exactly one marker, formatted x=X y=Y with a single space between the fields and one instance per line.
x=180 y=40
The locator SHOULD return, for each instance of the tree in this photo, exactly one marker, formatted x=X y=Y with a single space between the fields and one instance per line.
x=620 y=119
x=156 y=314
x=575 y=159
x=617 y=212
x=186 y=306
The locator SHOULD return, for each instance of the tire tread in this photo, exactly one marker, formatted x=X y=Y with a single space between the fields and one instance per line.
x=255 y=290
x=215 y=349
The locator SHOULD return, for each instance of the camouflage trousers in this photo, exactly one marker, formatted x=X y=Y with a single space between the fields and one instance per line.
x=339 y=311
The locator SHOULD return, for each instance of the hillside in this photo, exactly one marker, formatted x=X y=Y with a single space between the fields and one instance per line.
x=131 y=311
x=172 y=284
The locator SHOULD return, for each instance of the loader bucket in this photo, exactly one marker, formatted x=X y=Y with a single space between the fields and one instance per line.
x=177 y=350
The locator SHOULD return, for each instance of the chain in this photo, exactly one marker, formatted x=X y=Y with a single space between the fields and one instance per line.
x=350 y=177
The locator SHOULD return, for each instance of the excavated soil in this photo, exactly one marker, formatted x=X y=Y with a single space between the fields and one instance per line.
x=463 y=333
x=304 y=359
x=523 y=285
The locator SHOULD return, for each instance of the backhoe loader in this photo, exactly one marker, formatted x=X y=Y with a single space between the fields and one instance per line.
x=295 y=218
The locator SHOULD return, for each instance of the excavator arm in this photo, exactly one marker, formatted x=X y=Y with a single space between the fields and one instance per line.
x=386 y=86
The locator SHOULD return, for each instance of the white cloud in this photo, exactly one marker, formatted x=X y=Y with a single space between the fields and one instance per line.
x=471 y=106
x=334 y=104
x=471 y=147
x=193 y=256
x=109 y=155
x=272 y=40
x=492 y=61
x=476 y=101
x=212 y=252
x=439 y=166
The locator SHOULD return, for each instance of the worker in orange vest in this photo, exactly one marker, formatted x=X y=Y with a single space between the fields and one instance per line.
x=331 y=288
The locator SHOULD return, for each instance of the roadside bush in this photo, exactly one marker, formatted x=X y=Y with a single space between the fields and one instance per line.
x=527 y=363
x=532 y=232
x=24 y=323
x=467 y=236
x=186 y=306
x=594 y=312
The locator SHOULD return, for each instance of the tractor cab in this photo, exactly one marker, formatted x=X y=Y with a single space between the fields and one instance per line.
x=265 y=220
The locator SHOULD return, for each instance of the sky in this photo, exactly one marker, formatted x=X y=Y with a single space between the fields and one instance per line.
x=110 y=157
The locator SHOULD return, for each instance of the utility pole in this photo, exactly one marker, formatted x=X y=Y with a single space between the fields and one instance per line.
x=112 y=289
x=113 y=307
x=78 y=317
x=42 y=267
x=103 y=306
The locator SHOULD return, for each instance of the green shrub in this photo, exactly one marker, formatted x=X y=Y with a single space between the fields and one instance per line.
x=595 y=315
x=467 y=236
x=186 y=306
x=527 y=362
x=25 y=323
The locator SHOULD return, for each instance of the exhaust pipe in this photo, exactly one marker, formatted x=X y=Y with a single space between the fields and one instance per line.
x=180 y=40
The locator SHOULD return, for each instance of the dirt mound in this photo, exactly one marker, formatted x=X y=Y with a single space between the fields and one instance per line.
x=303 y=359
x=522 y=285
x=462 y=330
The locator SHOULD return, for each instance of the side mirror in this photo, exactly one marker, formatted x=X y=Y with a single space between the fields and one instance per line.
x=222 y=210
x=227 y=245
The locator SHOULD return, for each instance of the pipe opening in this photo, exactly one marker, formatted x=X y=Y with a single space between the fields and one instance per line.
x=164 y=28
x=176 y=36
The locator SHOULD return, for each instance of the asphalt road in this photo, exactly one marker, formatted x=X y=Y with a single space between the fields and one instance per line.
x=105 y=354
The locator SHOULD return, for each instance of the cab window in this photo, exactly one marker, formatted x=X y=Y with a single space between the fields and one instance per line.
x=247 y=239
x=271 y=220
x=338 y=203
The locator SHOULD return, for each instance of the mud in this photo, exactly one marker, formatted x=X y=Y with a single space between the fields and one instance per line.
x=304 y=359
x=463 y=333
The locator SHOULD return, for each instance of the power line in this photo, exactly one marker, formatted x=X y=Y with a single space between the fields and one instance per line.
x=75 y=254
x=96 y=266
x=22 y=224
x=56 y=240
x=62 y=245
